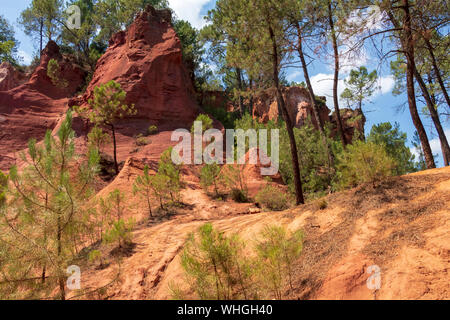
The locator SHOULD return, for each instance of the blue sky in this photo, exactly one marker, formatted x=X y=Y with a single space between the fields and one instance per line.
x=384 y=107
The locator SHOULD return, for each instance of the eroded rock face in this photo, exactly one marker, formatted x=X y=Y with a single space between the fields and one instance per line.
x=29 y=110
x=298 y=104
x=10 y=77
x=352 y=120
x=147 y=62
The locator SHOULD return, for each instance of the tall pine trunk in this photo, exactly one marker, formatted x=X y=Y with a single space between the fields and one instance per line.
x=336 y=75
x=434 y=116
x=116 y=165
x=408 y=47
x=282 y=105
x=436 y=70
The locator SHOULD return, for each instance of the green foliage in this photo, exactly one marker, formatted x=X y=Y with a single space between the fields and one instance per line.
x=226 y=118
x=108 y=105
x=191 y=47
x=42 y=18
x=97 y=138
x=236 y=183
x=160 y=185
x=106 y=108
x=277 y=252
x=120 y=231
x=96 y=256
x=272 y=198
x=152 y=130
x=216 y=266
x=116 y=229
x=206 y=121
x=113 y=15
x=361 y=85
x=143 y=186
x=54 y=73
x=394 y=141
x=364 y=162
x=142 y=141
x=8 y=43
x=219 y=267
x=211 y=176
x=46 y=221
x=3 y=188
x=317 y=173
x=171 y=172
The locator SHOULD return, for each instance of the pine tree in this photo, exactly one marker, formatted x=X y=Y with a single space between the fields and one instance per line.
x=45 y=220
x=143 y=187
x=106 y=108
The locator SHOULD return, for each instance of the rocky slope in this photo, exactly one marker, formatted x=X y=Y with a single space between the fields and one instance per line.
x=401 y=226
x=29 y=110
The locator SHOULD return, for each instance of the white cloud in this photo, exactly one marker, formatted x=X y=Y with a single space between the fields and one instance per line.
x=323 y=86
x=25 y=57
x=190 y=10
x=386 y=84
x=292 y=76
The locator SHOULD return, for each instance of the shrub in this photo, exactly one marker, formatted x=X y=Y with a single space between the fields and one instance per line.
x=394 y=141
x=220 y=267
x=96 y=256
x=142 y=141
x=152 y=130
x=143 y=187
x=363 y=162
x=322 y=204
x=216 y=266
x=277 y=252
x=206 y=122
x=210 y=176
x=235 y=181
x=98 y=138
x=272 y=198
x=120 y=231
x=238 y=195
x=170 y=172
x=54 y=73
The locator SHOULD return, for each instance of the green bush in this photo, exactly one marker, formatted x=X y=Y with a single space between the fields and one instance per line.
x=152 y=130
x=54 y=73
x=277 y=252
x=394 y=141
x=206 y=122
x=363 y=162
x=142 y=141
x=236 y=183
x=221 y=267
x=120 y=231
x=210 y=176
x=272 y=198
x=97 y=138
x=238 y=196
x=216 y=266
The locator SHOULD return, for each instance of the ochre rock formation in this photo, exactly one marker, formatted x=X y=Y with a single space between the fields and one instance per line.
x=146 y=60
x=352 y=121
x=265 y=106
x=10 y=77
x=29 y=110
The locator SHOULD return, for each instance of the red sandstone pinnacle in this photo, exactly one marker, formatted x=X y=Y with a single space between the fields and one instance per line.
x=146 y=60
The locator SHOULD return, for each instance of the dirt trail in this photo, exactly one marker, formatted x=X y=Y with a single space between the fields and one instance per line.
x=402 y=226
